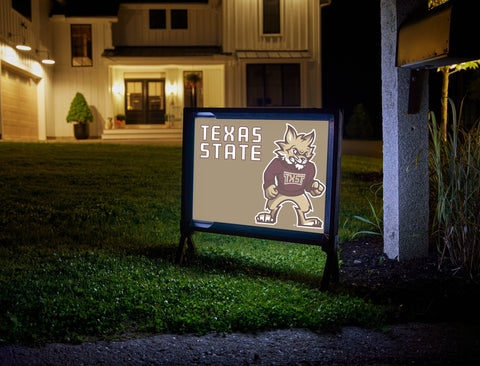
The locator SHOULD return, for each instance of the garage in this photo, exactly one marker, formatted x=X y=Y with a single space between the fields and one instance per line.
x=19 y=115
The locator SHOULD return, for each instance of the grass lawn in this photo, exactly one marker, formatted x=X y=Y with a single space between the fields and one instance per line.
x=88 y=234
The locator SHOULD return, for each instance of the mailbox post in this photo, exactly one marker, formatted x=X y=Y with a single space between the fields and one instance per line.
x=411 y=44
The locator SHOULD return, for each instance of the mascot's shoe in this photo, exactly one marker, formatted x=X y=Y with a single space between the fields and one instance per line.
x=312 y=222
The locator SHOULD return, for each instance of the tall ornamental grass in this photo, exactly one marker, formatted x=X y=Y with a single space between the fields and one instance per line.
x=455 y=185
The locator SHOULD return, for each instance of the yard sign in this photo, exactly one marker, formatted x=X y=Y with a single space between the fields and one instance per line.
x=266 y=173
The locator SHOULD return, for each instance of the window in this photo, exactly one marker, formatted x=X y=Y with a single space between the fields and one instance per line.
x=145 y=101
x=179 y=18
x=24 y=7
x=158 y=19
x=81 y=45
x=273 y=85
x=193 y=90
x=271 y=16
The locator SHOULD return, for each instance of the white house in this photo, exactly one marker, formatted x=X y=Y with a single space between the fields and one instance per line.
x=147 y=60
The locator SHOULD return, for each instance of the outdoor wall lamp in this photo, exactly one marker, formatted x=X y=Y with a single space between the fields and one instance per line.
x=172 y=88
x=23 y=47
x=20 y=45
x=118 y=89
x=46 y=60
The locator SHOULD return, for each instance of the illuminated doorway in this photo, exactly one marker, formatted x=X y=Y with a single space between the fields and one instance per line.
x=145 y=101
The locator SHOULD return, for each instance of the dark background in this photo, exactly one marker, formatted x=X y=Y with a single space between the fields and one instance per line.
x=351 y=58
x=351 y=47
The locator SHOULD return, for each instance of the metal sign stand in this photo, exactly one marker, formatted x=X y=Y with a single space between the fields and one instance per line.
x=186 y=246
x=331 y=272
x=329 y=243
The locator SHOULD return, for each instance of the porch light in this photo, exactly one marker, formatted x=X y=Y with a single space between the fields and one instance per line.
x=172 y=89
x=23 y=46
x=46 y=60
x=118 y=88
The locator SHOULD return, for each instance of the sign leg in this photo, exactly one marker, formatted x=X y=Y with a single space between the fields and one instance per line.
x=331 y=271
x=185 y=246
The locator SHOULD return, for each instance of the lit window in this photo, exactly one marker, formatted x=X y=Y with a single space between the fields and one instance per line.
x=81 y=45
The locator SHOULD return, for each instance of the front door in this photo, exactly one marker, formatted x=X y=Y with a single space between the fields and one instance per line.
x=145 y=101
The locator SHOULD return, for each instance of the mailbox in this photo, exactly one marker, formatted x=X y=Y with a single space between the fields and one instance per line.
x=445 y=36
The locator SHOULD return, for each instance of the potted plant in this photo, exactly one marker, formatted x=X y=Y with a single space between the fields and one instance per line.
x=81 y=115
x=120 y=120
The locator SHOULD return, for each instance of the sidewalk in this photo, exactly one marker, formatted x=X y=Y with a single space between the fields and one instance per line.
x=413 y=343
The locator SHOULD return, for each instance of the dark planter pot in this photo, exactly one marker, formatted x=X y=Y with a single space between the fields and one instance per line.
x=81 y=131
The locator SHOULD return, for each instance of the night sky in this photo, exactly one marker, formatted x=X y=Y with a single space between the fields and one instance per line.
x=351 y=57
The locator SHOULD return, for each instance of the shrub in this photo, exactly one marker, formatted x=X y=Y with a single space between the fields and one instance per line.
x=455 y=181
x=79 y=110
x=359 y=125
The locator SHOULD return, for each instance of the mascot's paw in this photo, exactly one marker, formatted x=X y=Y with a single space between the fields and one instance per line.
x=317 y=188
x=271 y=192
x=265 y=218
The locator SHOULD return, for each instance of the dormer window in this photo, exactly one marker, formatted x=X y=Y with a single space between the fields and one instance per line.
x=158 y=19
x=176 y=18
x=179 y=18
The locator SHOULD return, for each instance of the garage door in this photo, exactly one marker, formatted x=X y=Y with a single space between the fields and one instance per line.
x=19 y=105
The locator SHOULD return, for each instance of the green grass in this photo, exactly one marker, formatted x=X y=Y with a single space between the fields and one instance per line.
x=88 y=234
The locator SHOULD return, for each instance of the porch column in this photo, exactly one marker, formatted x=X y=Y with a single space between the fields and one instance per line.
x=405 y=184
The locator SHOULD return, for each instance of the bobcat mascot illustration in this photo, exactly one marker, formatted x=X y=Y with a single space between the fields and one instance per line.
x=289 y=177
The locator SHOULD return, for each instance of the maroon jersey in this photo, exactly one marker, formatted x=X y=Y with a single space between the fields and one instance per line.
x=289 y=180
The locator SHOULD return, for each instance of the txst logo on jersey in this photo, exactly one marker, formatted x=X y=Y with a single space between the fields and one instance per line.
x=293 y=178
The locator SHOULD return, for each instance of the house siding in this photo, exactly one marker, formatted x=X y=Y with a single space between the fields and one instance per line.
x=36 y=32
x=299 y=37
x=233 y=26
x=133 y=29
x=91 y=81
x=242 y=26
